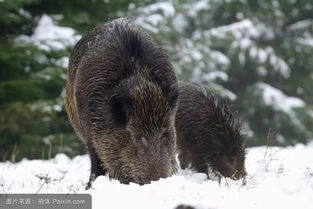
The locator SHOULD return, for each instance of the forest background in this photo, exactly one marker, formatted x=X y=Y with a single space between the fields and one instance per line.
x=257 y=54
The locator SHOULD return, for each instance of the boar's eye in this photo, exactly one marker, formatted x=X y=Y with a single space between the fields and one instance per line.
x=140 y=140
x=144 y=141
x=166 y=138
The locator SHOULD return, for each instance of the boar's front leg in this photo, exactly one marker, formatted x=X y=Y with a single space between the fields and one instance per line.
x=96 y=168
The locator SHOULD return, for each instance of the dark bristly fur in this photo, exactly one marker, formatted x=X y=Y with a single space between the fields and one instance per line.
x=207 y=133
x=184 y=207
x=121 y=100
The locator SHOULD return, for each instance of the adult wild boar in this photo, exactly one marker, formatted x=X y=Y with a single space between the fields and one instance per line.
x=120 y=98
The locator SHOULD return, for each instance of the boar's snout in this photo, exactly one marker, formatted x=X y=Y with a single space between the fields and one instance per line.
x=153 y=172
x=231 y=167
x=153 y=175
x=232 y=174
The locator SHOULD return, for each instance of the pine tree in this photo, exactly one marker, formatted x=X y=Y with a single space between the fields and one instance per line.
x=256 y=53
x=33 y=64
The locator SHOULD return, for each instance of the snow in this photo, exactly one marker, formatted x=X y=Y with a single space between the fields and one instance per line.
x=278 y=100
x=195 y=54
x=219 y=57
x=261 y=55
x=197 y=7
x=179 y=23
x=245 y=43
x=306 y=41
x=167 y=9
x=154 y=19
x=153 y=16
x=242 y=36
x=300 y=25
x=241 y=29
x=278 y=63
x=141 y=21
x=48 y=36
x=212 y=76
x=62 y=62
x=261 y=71
x=277 y=178
x=223 y=92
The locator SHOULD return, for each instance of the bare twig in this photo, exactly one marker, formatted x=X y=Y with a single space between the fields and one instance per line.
x=270 y=140
x=71 y=189
x=233 y=175
x=269 y=155
x=221 y=177
x=1 y=185
x=47 y=180
x=244 y=181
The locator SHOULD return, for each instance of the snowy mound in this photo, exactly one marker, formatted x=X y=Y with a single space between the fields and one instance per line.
x=277 y=178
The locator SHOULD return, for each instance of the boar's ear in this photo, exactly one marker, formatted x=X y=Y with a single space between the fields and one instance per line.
x=172 y=96
x=120 y=105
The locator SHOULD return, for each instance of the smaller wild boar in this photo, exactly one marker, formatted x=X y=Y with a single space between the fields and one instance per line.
x=208 y=134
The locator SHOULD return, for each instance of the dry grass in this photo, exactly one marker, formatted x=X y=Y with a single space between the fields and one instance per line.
x=46 y=180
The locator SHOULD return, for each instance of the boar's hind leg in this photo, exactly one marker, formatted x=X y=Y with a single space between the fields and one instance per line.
x=96 y=168
x=183 y=161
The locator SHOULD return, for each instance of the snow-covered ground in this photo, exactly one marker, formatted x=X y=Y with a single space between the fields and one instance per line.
x=277 y=178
